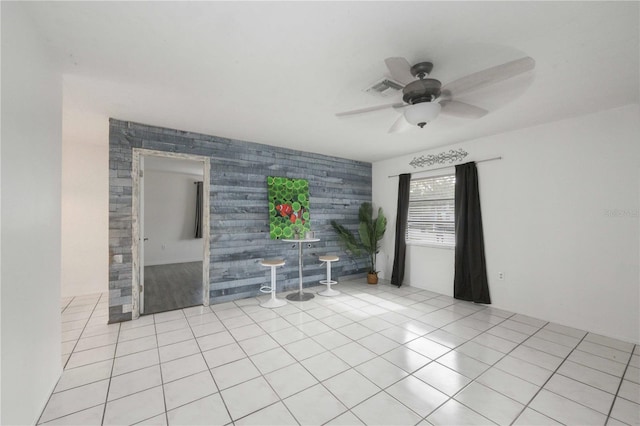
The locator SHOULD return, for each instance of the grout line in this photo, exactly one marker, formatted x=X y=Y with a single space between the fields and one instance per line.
x=65 y=364
x=237 y=342
x=585 y=383
x=164 y=396
x=432 y=360
x=452 y=397
x=382 y=389
x=425 y=335
x=490 y=365
x=219 y=391
x=113 y=364
x=553 y=373
x=620 y=384
x=80 y=335
x=577 y=402
x=349 y=292
x=321 y=382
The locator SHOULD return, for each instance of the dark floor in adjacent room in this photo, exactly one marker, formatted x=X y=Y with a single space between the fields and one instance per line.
x=172 y=286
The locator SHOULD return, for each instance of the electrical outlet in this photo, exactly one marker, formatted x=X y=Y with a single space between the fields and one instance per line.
x=501 y=275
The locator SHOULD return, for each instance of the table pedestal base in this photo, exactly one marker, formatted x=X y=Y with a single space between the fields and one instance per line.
x=300 y=297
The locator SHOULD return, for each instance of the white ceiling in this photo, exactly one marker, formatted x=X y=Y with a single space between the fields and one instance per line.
x=276 y=72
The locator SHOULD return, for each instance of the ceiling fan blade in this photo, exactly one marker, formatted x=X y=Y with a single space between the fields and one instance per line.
x=400 y=125
x=400 y=70
x=489 y=76
x=462 y=110
x=369 y=109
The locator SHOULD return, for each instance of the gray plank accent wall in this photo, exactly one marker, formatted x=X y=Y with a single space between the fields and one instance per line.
x=238 y=210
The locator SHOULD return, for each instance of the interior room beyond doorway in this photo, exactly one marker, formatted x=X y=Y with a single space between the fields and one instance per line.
x=173 y=247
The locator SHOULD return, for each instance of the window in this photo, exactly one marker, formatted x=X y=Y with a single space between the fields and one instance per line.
x=431 y=211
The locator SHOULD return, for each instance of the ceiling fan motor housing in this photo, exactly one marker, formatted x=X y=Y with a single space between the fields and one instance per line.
x=425 y=90
x=421 y=69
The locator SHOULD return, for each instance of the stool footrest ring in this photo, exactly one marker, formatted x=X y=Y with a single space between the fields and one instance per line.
x=265 y=289
x=328 y=282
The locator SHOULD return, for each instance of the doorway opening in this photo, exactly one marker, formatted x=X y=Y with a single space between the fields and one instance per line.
x=171 y=231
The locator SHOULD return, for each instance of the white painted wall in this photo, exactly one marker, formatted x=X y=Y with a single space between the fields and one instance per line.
x=169 y=208
x=547 y=223
x=31 y=190
x=85 y=202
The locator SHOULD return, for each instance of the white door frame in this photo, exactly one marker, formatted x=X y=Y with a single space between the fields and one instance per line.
x=136 y=242
x=141 y=239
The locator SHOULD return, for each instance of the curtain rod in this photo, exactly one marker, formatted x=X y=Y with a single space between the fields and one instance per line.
x=446 y=167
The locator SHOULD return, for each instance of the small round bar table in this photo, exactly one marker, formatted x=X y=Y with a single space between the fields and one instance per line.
x=300 y=296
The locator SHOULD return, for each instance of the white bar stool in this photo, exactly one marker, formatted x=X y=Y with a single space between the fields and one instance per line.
x=329 y=291
x=273 y=302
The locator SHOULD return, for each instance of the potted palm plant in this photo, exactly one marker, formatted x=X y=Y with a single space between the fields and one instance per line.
x=370 y=232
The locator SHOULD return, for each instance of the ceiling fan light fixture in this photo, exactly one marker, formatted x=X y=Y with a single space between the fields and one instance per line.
x=422 y=113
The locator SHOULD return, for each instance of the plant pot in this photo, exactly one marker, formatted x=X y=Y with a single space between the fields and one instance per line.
x=372 y=278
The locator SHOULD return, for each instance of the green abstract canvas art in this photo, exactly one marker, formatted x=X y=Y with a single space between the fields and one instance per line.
x=288 y=207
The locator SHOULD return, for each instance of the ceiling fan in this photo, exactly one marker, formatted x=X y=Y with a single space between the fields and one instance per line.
x=424 y=98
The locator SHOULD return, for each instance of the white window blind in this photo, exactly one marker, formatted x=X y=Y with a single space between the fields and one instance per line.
x=431 y=211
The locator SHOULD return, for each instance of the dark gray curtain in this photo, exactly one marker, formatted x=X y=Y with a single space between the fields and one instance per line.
x=397 y=275
x=470 y=281
x=198 y=231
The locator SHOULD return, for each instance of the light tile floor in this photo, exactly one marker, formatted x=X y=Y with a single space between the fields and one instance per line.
x=375 y=355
